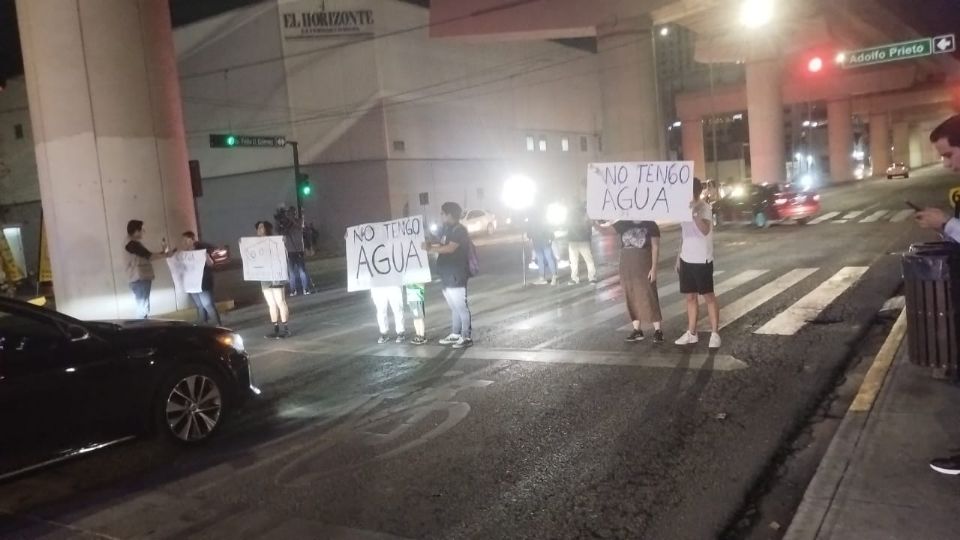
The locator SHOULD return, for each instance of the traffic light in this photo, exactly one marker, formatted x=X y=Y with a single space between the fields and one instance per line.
x=304 y=189
x=222 y=140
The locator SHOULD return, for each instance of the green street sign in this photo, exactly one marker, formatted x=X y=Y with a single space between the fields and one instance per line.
x=893 y=52
x=230 y=140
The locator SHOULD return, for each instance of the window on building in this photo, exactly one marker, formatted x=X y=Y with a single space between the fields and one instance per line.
x=18 y=131
x=543 y=144
x=583 y=143
x=424 y=199
x=565 y=144
x=399 y=146
x=531 y=145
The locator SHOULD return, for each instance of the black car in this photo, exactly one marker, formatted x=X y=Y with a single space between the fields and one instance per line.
x=68 y=387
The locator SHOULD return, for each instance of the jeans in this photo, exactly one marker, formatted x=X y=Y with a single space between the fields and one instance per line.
x=546 y=262
x=141 y=295
x=578 y=249
x=299 y=280
x=460 y=322
x=206 y=308
x=388 y=299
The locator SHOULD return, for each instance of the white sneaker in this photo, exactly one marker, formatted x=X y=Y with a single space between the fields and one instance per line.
x=541 y=281
x=450 y=340
x=463 y=343
x=687 y=339
x=715 y=341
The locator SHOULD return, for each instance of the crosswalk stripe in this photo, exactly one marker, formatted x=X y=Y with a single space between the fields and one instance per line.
x=901 y=216
x=746 y=304
x=538 y=320
x=789 y=322
x=874 y=216
x=851 y=215
x=825 y=217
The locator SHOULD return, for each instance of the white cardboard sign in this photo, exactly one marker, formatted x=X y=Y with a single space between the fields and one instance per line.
x=186 y=267
x=640 y=190
x=264 y=258
x=387 y=254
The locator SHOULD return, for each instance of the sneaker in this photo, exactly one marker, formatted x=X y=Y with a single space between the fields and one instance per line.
x=541 y=281
x=307 y=293
x=292 y=294
x=574 y=281
x=949 y=465
x=401 y=338
x=533 y=266
x=555 y=282
x=594 y=280
x=715 y=341
x=418 y=340
x=636 y=335
x=284 y=333
x=275 y=334
x=383 y=339
x=450 y=340
x=687 y=339
x=658 y=336
x=463 y=343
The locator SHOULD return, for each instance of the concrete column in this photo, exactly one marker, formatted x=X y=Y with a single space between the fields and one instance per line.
x=108 y=127
x=901 y=142
x=840 y=139
x=765 y=115
x=693 y=150
x=917 y=142
x=631 y=115
x=879 y=143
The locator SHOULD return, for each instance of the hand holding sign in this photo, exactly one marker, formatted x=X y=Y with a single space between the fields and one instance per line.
x=186 y=268
x=264 y=258
x=390 y=253
x=637 y=191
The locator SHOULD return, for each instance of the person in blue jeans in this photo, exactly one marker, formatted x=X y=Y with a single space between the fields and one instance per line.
x=541 y=236
x=139 y=266
x=206 y=307
x=453 y=267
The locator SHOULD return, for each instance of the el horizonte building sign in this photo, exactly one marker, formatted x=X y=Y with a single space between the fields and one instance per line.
x=306 y=23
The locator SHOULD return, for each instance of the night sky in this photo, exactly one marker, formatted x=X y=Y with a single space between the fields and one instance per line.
x=935 y=17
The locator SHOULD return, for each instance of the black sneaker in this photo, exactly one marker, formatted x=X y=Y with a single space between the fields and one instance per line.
x=418 y=340
x=949 y=465
x=383 y=339
x=284 y=332
x=401 y=338
x=275 y=334
x=658 y=336
x=636 y=335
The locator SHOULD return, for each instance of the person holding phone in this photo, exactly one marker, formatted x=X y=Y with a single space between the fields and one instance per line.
x=139 y=265
x=946 y=139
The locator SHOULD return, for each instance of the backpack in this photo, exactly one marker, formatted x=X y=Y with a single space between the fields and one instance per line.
x=473 y=261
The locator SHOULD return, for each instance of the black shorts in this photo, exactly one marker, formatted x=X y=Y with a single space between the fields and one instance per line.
x=696 y=278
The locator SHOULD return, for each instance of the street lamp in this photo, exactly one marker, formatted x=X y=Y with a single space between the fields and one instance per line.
x=665 y=31
x=756 y=13
x=519 y=192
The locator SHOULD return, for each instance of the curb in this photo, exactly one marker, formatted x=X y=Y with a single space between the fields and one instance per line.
x=823 y=487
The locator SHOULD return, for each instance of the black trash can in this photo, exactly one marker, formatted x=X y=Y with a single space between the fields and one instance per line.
x=931 y=275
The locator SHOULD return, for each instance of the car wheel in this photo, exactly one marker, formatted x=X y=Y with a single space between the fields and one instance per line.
x=889 y=177
x=489 y=229
x=803 y=220
x=761 y=221
x=190 y=404
x=906 y=176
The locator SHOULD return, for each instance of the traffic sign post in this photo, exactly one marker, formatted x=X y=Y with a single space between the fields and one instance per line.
x=904 y=50
x=229 y=140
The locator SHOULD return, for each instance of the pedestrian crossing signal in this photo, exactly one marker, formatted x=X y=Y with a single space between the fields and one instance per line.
x=223 y=140
x=303 y=185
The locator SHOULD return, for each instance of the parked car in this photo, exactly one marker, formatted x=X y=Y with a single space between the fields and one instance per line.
x=762 y=205
x=477 y=221
x=898 y=169
x=68 y=387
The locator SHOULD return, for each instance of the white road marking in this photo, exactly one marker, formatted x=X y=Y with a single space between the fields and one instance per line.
x=875 y=216
x=825 y=217
x=902 y=215
x=851 y=215
x=746 y=304
x=544 y=318
x=790 y=321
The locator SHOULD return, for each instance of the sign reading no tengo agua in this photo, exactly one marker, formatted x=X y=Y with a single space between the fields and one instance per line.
x=640 y=190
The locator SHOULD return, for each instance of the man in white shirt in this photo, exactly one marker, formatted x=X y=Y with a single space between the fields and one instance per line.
x=695 y=265
x=946 y=139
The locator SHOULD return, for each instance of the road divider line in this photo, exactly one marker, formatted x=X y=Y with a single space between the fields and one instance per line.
x=901 y=216
x=790 y=321
x=874 y=216
x=731 y=313
x=873 y=380
x=825 y=217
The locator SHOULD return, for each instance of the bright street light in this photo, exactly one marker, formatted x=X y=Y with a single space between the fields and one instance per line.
x=756 y=13
x=841 y=57
x=815 y=64
x=519 y=192
x=665 y=31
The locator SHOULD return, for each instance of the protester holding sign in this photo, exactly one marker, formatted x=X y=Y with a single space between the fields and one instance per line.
x=639 y=253
x=140 y=266
x=206 y=307
x=454 y=268
x=273 y=292
x=695 y=266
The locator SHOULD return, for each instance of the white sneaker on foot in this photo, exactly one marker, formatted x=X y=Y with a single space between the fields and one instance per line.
x=715 y=340
x=450 y=340
x=687 y=339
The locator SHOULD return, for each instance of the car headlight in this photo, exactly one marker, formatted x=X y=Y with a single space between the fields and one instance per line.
x=233 y=341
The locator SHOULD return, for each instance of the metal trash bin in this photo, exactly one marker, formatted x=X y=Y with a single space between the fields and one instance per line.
x=931 y=275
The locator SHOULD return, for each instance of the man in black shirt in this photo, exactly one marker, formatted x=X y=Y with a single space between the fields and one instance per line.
x=453 y=267
x=206 y=308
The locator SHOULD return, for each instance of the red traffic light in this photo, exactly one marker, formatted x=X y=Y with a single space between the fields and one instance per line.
x=815 y=64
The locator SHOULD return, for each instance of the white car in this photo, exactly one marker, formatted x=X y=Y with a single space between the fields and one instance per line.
x=898 y=169
x=479 y=221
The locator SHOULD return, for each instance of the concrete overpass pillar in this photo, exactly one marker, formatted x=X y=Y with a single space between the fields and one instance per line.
x=631 y=115
x=840 y=139
x=765 y=115
x=879 y=143
x=917 y=142
x=108 y=127
x=901 y=142
x=693 y=149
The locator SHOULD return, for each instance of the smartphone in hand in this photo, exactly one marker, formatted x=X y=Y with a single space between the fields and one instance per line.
x=911 y=205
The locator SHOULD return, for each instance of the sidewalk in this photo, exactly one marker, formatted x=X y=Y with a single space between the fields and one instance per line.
x=874 y=481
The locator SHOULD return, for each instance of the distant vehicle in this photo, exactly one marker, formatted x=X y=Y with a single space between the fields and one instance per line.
x=762 y=205
x=898 y=169
x=477 y=221
x=69 y=387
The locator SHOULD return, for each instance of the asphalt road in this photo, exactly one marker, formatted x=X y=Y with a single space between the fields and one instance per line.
x=551 y=426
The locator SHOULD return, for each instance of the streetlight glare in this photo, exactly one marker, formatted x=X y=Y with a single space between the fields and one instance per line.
x=518 y=192
x=815 y=64
x=841 y=57
x=756 y=13
x=665 y=31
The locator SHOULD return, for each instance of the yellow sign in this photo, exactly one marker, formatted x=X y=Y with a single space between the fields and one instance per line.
x=45 y=273
x=954 y=196
x=9 y=264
